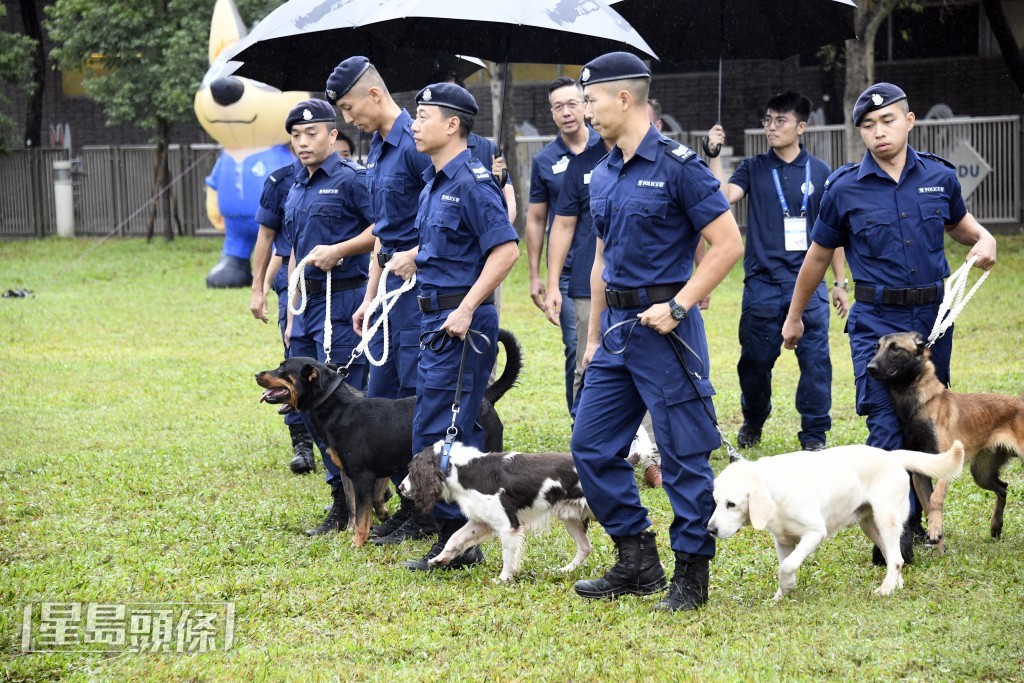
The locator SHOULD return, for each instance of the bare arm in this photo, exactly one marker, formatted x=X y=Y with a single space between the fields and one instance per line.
x=839 y=293
x=260 y=258
x=816 y=262
x=734 y=193
x=559 y=243
x=498 y=265
x=536 y=219
x=597 y=303
x=971 y=233
x=326 y=256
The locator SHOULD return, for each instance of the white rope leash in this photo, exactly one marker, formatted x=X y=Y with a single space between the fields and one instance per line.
x=384 y=300
x=298 y=279
x=954 y=300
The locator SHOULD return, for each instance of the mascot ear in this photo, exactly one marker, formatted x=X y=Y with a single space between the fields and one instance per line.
x=760 y=506
x=226 y=28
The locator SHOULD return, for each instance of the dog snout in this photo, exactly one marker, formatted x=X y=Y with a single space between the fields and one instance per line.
x=874 y=369
x=712 y=529
x=404 y=488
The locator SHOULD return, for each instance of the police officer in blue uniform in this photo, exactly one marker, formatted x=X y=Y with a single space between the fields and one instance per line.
x=466 y=248
x=547 y=171
x=270 y=217
x=394 y=179
x=327 y=218
x=652 y=200
x=890 y=212
x=784 y=186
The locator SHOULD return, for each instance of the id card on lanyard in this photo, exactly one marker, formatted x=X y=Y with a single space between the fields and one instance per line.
x=794 y=229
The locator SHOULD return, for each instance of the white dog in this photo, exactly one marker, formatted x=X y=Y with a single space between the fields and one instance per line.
x=503 y=494
x=803 y=498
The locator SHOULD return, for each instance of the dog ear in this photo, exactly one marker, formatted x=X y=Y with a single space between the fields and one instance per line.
x=309 y=372
x=760 y=506
x=919 y=341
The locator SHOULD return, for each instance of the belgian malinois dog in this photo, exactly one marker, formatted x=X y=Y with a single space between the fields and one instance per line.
x=991 y=426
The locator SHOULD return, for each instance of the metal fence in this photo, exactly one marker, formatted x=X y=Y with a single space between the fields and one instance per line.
x=113 y=185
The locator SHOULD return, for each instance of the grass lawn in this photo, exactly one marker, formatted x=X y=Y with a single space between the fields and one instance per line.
x=138 y=467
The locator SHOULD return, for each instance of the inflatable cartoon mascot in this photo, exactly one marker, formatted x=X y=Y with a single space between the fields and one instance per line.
x=247 y=119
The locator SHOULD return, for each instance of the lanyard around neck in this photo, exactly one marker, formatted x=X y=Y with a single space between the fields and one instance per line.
x=807 y=190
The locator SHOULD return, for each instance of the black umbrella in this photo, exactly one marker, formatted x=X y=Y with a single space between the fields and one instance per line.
x=691 y=30
x=298 y=45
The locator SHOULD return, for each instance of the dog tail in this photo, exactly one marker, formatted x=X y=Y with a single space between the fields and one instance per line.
x=946 y=465
x=513 y=366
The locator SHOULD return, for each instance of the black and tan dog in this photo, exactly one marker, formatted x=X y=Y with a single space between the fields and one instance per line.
x=369 y=439
x=991 y=426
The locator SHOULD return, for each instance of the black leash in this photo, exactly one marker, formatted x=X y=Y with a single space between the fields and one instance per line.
x=679 y=348
x=436 y=340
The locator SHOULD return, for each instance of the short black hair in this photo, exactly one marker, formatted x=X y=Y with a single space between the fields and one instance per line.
x=560 y=82
x=655 y=106
x=790 y=101
x=465 y=120
x=446 y=76
x=345 y=138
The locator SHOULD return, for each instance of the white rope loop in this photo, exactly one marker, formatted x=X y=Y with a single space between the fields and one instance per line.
x=298 y=280
x=954 y=299
x=384 y=300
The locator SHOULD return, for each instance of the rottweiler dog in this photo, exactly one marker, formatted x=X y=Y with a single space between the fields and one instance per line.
x=369 y=439
x=991 y=426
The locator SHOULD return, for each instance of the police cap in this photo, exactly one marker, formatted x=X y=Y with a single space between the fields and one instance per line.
x=448 y=95
x=614 y=66
x=878 y=96
x=310 y=111
x=345 y=76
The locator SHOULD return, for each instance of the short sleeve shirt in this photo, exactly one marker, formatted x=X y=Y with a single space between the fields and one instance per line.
x=461 y=218
x=394 y=171
x=893 y=232
x=574 y=200
x=328 y=207
x=271 y=211
x=649 y=211
x=766 y=256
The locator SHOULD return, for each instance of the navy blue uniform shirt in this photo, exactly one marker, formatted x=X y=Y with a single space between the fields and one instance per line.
x=574 y=200
x=484 y=149
x=461 y=218
x=328 y=207
x=893 y=232
x=271 y=211
x=650 y=211
x=765 y=256
x=394 y=171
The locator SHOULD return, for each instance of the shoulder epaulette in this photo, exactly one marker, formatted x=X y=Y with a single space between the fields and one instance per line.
x=840 y=172
x=677 y=151
x=479 y=171
x=355 y=166
x=936 y=157
x=279 y=174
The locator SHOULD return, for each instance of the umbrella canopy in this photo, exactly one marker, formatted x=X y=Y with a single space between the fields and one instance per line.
x=298 y=45
x=691 y=30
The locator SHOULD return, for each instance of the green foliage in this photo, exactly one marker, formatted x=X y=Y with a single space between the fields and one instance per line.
x=138 y=465
x=15 y=69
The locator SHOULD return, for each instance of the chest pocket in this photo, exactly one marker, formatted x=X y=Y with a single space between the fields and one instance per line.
x=396 y=193
x=874 y=230
x=444 y=224
x=646 y=216
x=599 y=213
x=934 y=217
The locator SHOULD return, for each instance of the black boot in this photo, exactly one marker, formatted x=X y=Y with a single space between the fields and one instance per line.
x=447 y=529
x=302 y=447
x=337 y=517
x=638 y=570
x=689 y=586
x=388 y=526
x=413 y=527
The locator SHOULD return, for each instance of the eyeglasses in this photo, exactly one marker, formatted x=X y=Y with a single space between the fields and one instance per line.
x=571 y=105
x=779 y=121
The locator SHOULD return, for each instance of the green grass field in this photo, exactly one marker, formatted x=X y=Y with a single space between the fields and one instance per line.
x=138 y=467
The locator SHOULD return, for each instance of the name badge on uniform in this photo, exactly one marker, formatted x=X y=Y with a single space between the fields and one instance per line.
x=796 y=233
x=560 y=167
x=586 y=178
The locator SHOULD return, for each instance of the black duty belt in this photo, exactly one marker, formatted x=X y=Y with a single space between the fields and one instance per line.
x=446 y=301
x=315 y=287
x=631 y=298
x=284 y=260
x=897 y=297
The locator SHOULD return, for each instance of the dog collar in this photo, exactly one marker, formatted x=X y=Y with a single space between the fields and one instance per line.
x=338 y=379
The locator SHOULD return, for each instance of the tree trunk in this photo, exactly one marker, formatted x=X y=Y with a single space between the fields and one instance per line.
x=506 y=123
x=860 y=65
x=34 y=107
x=1013 y=54
x=161 y=183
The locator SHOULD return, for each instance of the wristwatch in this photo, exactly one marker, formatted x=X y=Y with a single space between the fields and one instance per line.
x=678 y=312
x=841 y=285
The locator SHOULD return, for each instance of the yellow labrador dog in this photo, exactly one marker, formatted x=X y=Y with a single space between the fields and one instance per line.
x=803 y=498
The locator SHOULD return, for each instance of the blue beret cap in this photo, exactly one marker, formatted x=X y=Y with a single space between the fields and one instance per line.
x=345 y=76
x=448 y=95
x=877 y=96
x=310 y=111
x=614 y=66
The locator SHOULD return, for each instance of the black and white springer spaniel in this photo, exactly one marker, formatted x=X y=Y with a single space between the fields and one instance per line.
x=506 y=494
